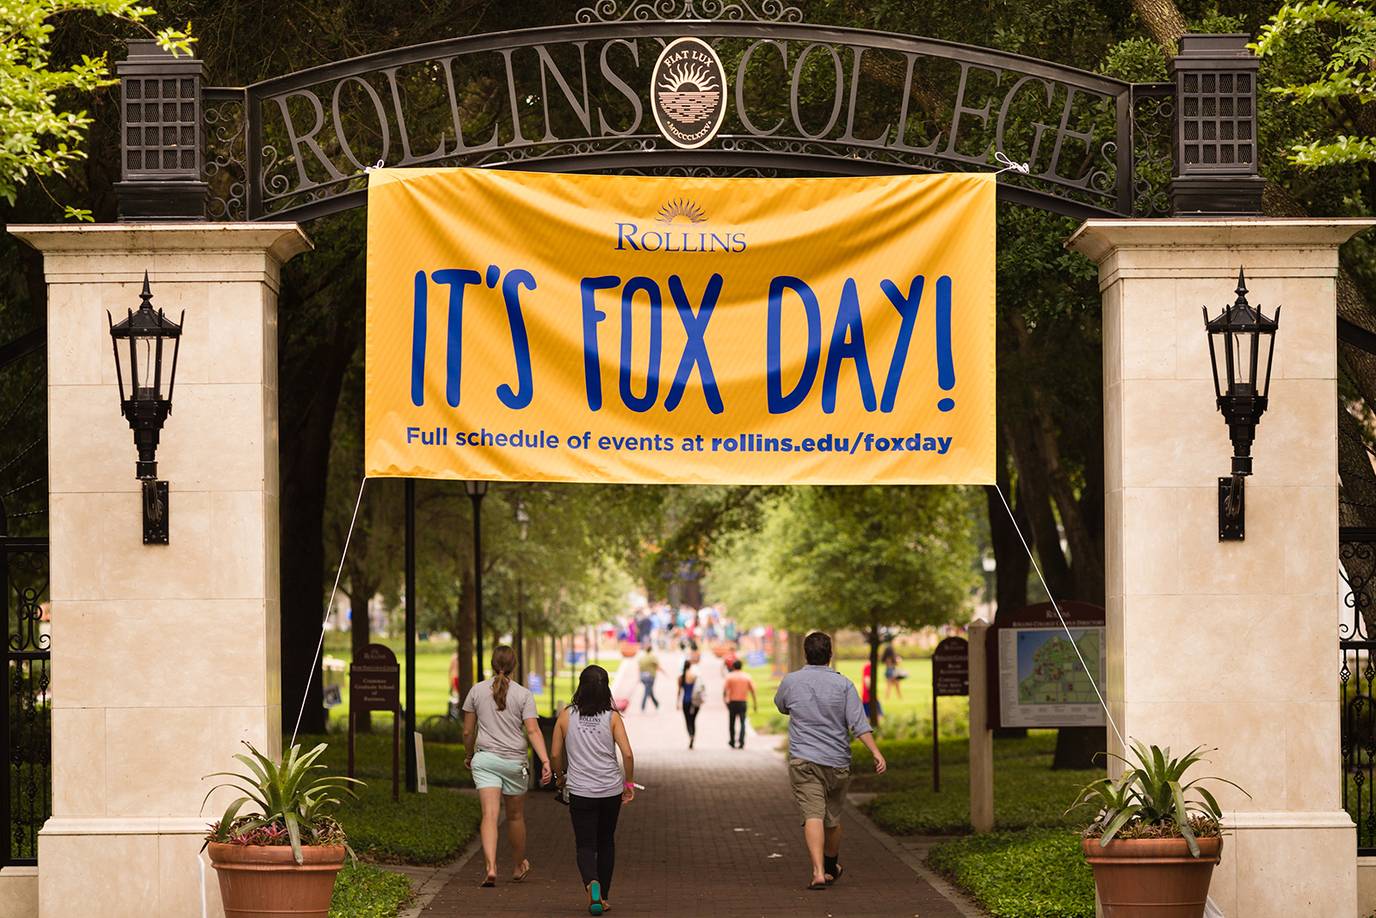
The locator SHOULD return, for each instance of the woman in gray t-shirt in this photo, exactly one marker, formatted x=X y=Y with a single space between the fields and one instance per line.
x=498 y=719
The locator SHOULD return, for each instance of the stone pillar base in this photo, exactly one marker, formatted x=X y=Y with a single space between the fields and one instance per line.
x=1285 y=863
x=126 y=867
x=19 y=892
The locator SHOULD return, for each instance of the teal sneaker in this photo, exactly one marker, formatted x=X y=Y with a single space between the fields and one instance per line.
x=594 y=898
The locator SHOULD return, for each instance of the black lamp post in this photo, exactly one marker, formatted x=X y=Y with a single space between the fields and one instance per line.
x=523 y=527
x=1241 y=343
x=477 y=490
x=141 y=398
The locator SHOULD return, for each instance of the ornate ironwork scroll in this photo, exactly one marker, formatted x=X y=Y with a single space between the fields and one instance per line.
x=801 y=99
x=1357 y=681
x=25 y=697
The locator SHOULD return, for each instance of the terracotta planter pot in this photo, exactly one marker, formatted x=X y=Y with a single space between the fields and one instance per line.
x=266 y=882
x=1152 y=877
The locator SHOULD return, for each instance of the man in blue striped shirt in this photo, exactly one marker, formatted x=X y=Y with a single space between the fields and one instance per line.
x=823 y=713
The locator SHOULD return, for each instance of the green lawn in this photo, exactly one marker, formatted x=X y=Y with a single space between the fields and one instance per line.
x=1035 y=837
x=364 y=891
x=432 y=680
x=419 y=828
x=1035 y=873
x=1027 y=793
x=910 y=715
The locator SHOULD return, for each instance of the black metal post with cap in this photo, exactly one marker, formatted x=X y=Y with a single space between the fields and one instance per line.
x=476 y=490
x=409 y=740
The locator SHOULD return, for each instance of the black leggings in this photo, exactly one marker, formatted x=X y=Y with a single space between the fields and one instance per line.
x=690 y=719
x=594 y=836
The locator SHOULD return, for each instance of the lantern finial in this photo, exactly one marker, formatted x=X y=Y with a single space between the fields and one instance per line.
x=147 y=295
x=1241 y=288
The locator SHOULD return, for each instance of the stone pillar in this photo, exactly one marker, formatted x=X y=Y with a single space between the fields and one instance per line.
x=1229 y=644
x=164 y=657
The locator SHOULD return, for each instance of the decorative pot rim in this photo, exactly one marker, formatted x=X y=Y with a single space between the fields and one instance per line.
x=1149 y=849
x=313 y=855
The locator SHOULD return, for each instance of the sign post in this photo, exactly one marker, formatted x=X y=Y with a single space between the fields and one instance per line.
x=375 y=685
x=950 y=676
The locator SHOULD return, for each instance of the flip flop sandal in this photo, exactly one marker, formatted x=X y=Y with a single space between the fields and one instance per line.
x=594 y=898
x=523 y=874
x=817 y=885
x=488 y=882
x=840 y=871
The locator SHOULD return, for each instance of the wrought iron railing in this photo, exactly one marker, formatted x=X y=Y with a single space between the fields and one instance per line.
x=1357 y=677
x=25 y=689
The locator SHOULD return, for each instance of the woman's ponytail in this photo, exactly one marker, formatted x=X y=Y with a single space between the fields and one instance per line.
x=503 y=662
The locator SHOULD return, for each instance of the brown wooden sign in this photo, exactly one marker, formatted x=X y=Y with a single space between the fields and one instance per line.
x=375 y=680
x=951 y=667
x=375 y=685
x=950 y=677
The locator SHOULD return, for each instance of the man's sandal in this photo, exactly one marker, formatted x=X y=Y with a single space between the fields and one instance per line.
x=833 y=877
x=518 y=877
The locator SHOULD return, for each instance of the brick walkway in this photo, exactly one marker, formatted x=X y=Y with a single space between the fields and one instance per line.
x=715 y=832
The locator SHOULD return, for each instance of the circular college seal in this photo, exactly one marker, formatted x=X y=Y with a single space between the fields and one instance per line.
x=688 y=89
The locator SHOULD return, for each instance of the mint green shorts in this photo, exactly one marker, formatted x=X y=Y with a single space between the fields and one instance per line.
x=492 y=770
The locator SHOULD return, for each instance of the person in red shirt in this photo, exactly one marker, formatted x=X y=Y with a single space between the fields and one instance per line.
x=867 y=694
x=735 y=690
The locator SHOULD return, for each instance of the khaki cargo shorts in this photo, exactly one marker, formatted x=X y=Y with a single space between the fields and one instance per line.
x=820 y=790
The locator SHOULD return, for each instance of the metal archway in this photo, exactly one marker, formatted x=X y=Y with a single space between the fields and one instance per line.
x=802 y=98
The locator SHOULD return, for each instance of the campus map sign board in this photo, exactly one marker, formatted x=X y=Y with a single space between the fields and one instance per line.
x=551 y=327
x=1041 y=676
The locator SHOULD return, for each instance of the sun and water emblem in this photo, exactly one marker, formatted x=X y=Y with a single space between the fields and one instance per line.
x=688 y=89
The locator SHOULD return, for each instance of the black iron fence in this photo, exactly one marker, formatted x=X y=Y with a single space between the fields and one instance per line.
x=25 y=689
x=1357 y=676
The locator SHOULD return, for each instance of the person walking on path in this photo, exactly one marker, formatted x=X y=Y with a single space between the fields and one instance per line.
x=586 y=738
x=735 y=690
x=823 y=712
x=893 y=673
x=498 y=719
x=649 y=670
x=690 y=697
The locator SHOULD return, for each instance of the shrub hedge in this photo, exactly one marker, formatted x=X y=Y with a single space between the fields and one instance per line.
x=1035 y=873
x=362 y=891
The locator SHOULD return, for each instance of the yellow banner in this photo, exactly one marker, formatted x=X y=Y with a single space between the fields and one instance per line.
x=541 y=327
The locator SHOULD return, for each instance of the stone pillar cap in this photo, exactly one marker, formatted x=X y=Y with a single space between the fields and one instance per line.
x=1098 y=237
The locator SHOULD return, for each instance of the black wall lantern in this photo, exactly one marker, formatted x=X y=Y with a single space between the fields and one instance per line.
x=1241 y=343
x=141 y=398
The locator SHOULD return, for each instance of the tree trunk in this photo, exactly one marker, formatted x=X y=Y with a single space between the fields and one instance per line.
x=305 y=462
x=1011 y=563
x=1077 y=747
x=874 y=671
x=796 y=659
x=1163 y=21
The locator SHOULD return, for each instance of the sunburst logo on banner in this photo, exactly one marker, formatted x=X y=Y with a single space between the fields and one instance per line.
x=681 y=210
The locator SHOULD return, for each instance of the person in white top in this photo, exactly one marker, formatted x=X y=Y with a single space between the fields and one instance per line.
x=498 y=720
x=586 y=739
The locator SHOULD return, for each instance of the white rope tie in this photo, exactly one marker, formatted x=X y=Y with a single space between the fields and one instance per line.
x=1037 y=567
x=1010 y=166
x=329 y=609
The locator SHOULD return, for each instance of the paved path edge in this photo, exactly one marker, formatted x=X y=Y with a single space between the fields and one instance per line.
x=441 y=877
x=943 y=886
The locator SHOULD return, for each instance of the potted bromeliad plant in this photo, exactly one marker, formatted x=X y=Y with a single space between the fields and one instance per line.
x=279 y=857
x=1156 y=838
